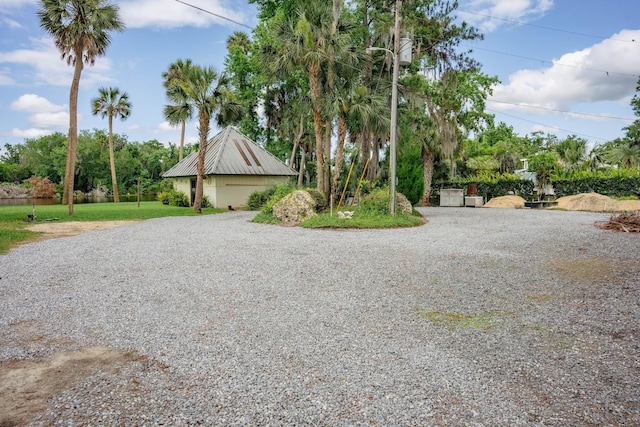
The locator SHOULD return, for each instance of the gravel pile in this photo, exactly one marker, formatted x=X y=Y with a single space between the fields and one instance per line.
x=480 y=317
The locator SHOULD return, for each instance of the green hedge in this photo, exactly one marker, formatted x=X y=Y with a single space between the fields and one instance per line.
x=613 y=183
x=489 y=186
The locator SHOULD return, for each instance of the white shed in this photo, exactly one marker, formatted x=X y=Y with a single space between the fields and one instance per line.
x=234 y=167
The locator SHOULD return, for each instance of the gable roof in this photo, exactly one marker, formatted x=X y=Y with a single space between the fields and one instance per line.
x=232 y=153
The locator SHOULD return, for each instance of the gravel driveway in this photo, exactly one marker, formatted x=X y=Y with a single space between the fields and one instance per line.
x=488 y=317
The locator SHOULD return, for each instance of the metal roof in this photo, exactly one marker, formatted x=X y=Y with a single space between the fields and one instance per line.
x=232 y=153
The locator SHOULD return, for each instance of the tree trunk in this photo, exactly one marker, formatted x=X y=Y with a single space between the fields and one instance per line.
x=303 y=156
x=427 y=164
x=317 y=127
x=72 y=140
x=296 y=141
x=181 y=150
x=203 y=130
x=314 y=85
x=342 y=135
x=327 y=158
x=372 y=171
x=112 y=162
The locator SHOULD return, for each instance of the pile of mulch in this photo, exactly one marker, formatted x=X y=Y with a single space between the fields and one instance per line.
x=595 y=202
x=506 y=202
x=592 y=202
x=629 y=222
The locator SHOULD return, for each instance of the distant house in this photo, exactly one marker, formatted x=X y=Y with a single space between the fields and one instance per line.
x=234 y=167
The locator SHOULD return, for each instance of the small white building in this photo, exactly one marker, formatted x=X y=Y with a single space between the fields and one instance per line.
x=234 y=167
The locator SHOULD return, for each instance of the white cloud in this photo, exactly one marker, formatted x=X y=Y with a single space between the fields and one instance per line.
x=43 y=115
x=172 y=14
x=32 y=103
x=602 y=72
x=10 y=23
x=29 y=133
x=5 y=78
x=50 y=69
x=57 y=120
x=166 y=127
x=552 y=130
x=488 y=15
x=6 y=5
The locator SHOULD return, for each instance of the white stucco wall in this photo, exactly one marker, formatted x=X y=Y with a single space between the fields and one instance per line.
x=182 y=184
x=230 y=190
x=234 y=190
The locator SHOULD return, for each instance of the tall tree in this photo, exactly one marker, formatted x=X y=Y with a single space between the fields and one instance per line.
x=572 y=152
x=80 y=29
x=207 y=92
x=311 y=40
x=243 y=70
x=111 y=103
x=179 y=110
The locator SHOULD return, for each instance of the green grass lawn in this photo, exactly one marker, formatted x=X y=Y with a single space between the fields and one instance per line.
x=326 y=220
x=359 y=220
x=13 y=219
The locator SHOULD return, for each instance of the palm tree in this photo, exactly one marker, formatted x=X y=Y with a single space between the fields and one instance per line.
x=571 y=152
x=239 y=39
x=362 y=109
x=625 y=153
x=302 y=41
x=208 y=93
x=80 y=29
x=179 y=111
x=312 y=39
x=111 y=103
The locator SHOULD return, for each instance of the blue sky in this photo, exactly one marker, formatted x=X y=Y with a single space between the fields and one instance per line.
x=571 y=67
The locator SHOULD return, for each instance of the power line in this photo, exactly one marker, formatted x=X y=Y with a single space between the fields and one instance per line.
x=553 y=63
x=600 y=116
x=546 y=125
x=215 y=14
x=547 y=28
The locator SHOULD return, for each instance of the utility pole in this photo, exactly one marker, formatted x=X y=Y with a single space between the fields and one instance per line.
x=394 y=111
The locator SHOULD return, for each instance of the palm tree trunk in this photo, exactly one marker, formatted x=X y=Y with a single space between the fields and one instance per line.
x=342 y=135
x=112 y=162
x=181 y=150
x=314 y=85
x=372 y=171
x=303 y=156
x=317 y=127
x=296 y=141
x=72 y=140
x=427 y=164
x=203 y=131
x=327 y=157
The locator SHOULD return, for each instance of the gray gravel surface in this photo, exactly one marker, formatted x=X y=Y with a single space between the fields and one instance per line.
x=487 y=317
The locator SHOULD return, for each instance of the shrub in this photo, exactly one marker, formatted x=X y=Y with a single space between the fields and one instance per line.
x=42 y=187
x=318 y=196
x=613 y=183
x=375 y=203
x=205 y=203
x=280 y=190
x=494 y=185
x=257 y=199
x=173 y=198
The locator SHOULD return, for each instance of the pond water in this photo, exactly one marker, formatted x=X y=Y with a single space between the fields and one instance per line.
x=76 y=200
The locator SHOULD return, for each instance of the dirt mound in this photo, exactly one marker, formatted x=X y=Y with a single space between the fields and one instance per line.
x=629 y=205
x=595 y=202
x=506 y=202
